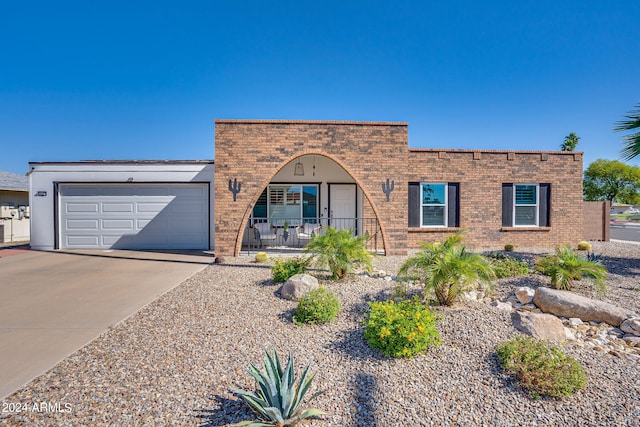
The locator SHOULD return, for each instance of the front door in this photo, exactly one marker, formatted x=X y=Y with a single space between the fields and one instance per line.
x=342 y=205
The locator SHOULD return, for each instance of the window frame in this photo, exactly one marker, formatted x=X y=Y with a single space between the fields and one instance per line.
x=445 y=205
x=536 y=205
x=288 y=201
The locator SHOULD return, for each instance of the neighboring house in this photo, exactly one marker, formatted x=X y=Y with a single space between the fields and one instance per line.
x=276 y=183
x=14 y=189
x=14 y=207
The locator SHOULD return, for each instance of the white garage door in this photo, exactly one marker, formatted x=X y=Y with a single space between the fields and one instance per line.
x=134 y=216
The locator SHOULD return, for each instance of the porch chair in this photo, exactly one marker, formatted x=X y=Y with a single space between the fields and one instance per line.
x=265 y=232
x=307 y=231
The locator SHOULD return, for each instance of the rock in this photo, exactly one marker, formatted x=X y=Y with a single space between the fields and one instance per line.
x=219 y=259
x=504 y=306
x=298 y=286
x=574 y=321
x=631 y=326
x=470 y=296
x=525 y=294
x=571 y=336
x=632 y=340
x=569 y=304
x=540 y=326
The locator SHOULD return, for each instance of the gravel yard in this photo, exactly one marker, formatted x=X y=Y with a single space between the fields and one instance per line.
x=174 y=362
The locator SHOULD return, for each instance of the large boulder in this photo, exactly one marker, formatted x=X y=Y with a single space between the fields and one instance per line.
x=298 y=286
x=568 y=304
x=540 y=326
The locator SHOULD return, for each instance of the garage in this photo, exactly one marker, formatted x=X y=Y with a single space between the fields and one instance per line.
x=144 y=216
x=133 y=216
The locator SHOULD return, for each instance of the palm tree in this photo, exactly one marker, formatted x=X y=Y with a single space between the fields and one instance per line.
x=631 y=146
x=448 y=269
x=570 y=142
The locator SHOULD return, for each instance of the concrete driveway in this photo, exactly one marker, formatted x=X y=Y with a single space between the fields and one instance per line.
x=54 y=303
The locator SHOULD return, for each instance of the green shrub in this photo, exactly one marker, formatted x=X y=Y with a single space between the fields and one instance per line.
x=509 y=267
x=277 y=398
x=262 y=257
x=509 y=247
x=401 y=329
x=284 y=268
x=566 y=266
x=318 y=306
x=584 y=246
x=540 y=367
x=448 y=269
x=339 y=250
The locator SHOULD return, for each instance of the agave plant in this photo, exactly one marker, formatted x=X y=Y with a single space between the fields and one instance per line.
x=278 y=397
x=566 y=266
x=448 y=269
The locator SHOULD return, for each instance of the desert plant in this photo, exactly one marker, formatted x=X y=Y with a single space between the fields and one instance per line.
x=584 y=246
x=542 y=368
x=283 y=269
x=339 y=250
x=509 y=267
x=448 y=269
x=566 y=266
x=262 y=257
x=509 y=248
x=401 y=329
x=277 y=399
x=318 y=306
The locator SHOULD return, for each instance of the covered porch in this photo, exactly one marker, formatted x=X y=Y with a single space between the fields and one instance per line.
x=308 y=195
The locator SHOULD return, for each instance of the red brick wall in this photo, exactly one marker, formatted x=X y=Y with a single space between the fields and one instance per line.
x=597 y=219
x=481 y=174
x=253 y=151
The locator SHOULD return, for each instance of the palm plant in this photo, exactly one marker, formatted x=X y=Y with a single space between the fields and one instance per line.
x=340 y=250
x=570 y=142
x=448 y=269
x=278 y=397
x=631 y=146
x=566 y=266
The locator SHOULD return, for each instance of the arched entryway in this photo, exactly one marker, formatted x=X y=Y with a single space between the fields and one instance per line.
x=305 y=196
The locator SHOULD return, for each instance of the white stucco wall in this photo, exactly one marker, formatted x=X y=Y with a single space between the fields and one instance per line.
x=43 y=178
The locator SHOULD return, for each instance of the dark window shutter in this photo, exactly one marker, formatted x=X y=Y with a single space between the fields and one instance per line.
x=453 y=202
x=545 y=203
x=414 y=204
x=507 y=205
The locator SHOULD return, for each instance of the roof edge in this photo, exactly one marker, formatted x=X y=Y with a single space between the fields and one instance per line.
x=308 y=122
x=481 y=150
x=128 y=162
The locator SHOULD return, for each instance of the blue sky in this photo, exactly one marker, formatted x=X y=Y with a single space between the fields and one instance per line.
x=145 y=80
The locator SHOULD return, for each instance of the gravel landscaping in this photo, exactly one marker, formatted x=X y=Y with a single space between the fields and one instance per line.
x=174 y=362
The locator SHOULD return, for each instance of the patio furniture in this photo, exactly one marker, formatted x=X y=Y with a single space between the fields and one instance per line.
x=307 y=231
x=265 y=232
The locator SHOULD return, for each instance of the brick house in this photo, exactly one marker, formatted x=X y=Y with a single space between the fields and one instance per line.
x=277 y=181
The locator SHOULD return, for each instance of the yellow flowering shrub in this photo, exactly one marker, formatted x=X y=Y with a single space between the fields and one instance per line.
x=401 y=329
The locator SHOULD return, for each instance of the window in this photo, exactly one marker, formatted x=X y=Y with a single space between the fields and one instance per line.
x=433 y=204
x=287 y=202
x=525 y=205
x=525 y=208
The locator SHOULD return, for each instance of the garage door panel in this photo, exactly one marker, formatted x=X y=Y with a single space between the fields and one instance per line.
x=151 y=207
x=83 y=241
x=117 y=224
x=117 y=207
x=82 y=224
x=82 y=207
x=152 y=216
